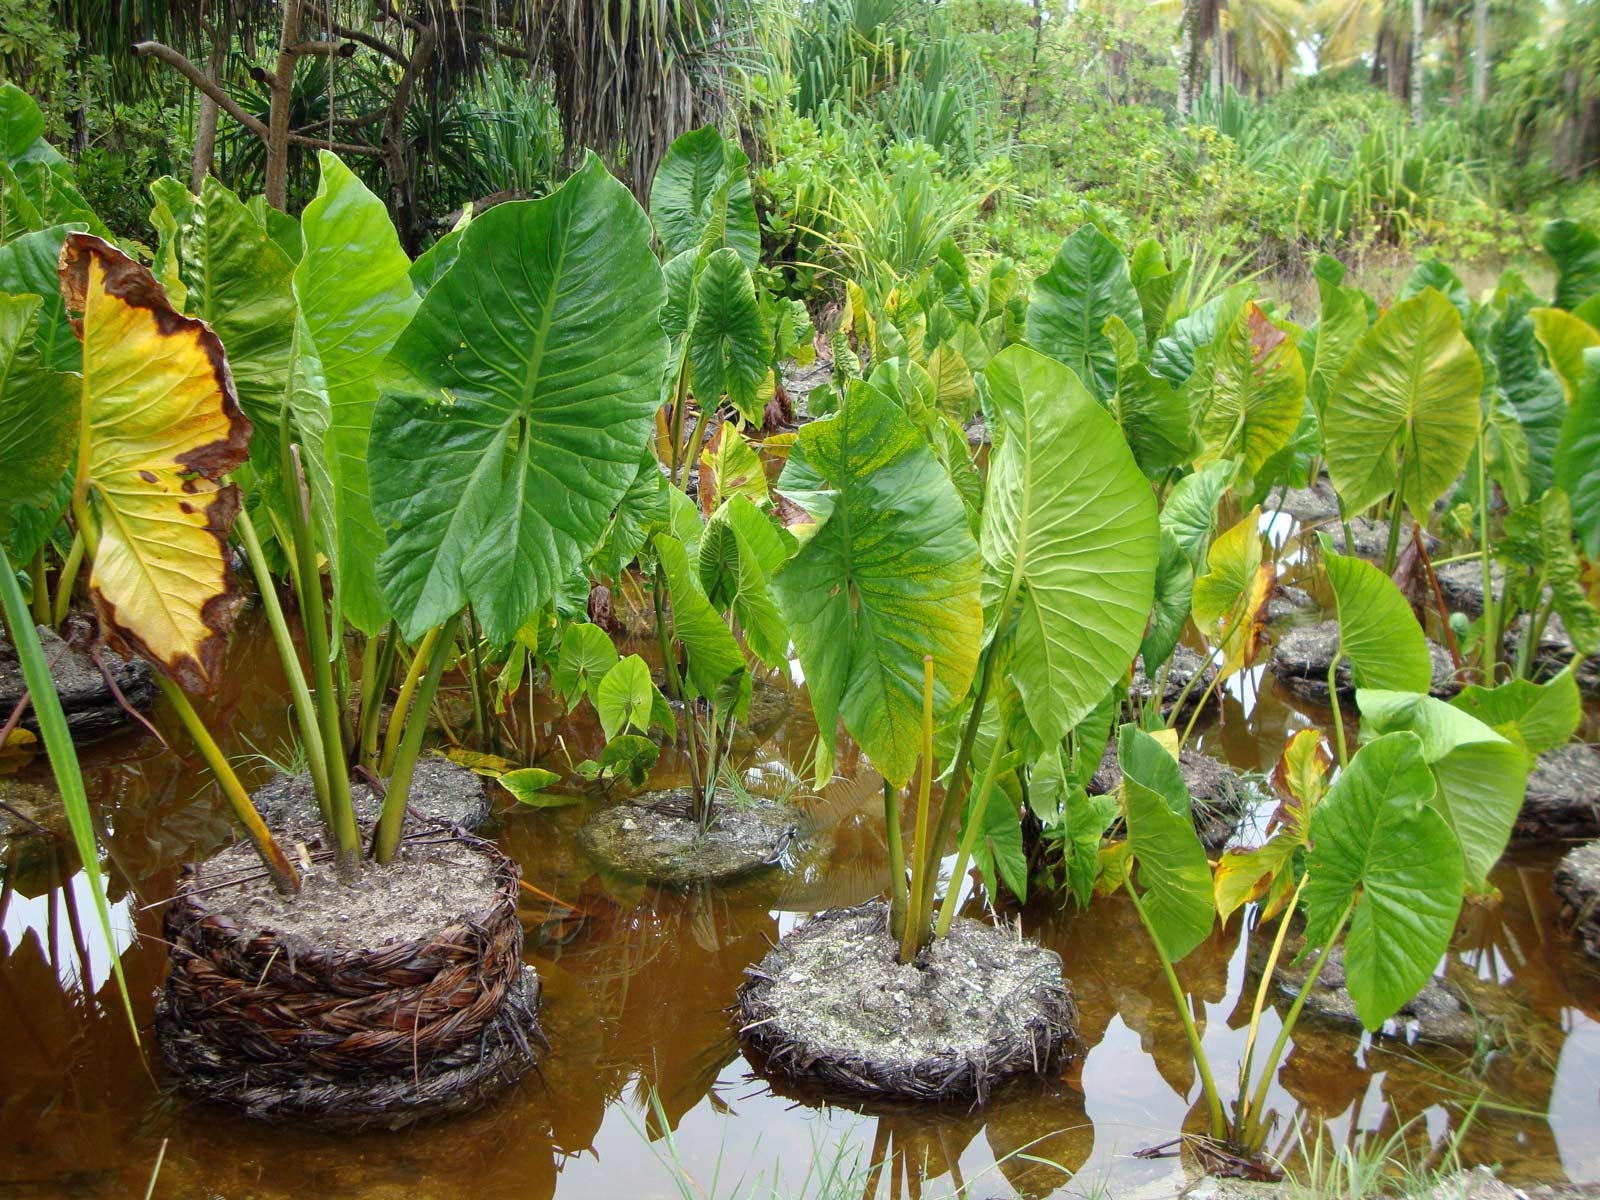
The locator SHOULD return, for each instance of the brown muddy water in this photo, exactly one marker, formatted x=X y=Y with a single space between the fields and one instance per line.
x=636 y=987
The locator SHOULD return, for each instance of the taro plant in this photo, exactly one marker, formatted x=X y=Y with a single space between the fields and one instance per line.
x=705 y=222
x=511 y=418
x=904 y=622
x=1380 y=855
x=717 y=572
x=473 y=420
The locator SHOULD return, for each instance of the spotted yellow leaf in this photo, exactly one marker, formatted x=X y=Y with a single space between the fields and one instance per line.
x=161 y=426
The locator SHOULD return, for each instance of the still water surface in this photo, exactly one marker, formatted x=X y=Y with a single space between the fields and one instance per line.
x=636 y=987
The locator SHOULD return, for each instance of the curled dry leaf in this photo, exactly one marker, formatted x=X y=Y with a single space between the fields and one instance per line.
x=161 y=427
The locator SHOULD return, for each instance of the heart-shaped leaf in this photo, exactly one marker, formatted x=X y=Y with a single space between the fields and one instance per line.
x=160 y=428
x=1174 y=879
x=1377 y=844
x=890 y=575
x=1070 y=531
x=514 y=409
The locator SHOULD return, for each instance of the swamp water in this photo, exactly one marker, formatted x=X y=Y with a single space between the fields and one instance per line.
x=637 y=982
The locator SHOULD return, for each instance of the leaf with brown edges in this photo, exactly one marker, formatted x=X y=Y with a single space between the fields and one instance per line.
x=161 y=427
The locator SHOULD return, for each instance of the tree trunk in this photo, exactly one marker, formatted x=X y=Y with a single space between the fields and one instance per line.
x=1458 y=61
x=1480 y=52
x=1216 y=63
x=1419 y=16
x=1033 y=64
x=401 y=201
x=1188 y=50
x=282 y=85
x=205 y=137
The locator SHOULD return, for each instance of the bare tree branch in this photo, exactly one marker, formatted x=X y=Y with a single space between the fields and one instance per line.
x=325 y=18
x=179 y=63
x=227 y=104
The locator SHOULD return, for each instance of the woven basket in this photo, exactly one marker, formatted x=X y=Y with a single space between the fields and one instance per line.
x=246 y=1011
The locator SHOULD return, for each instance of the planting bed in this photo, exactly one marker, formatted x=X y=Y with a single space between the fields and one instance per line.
x=832 y=1005
x=442 y=793
x=655 y=837
x=1302 y=655
x=380 y=1000
x=91 y=707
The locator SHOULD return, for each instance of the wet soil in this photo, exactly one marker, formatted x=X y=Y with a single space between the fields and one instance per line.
x=1219 y=796
x=1311 y=505
x=1185 y=664
x=1452 y=1009
x=655 y=837
x=1302 y=655
x=832 y=1001
x=1461 y=585
x=91 y=707
x=1372 y=537
x=427 y=888
x=1577 y=882
x=442 y=793
x=1563 y=797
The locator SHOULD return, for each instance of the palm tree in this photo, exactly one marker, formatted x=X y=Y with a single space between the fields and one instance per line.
x=1253 y=44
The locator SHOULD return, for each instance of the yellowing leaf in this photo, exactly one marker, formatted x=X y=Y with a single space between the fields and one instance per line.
x=1168 y=740
x=1231 y=597
x=161 y=426
x=18 y=751
x=1246 y=874
x=729 y=467
x=1302 y=771
x=490 y=766
x=1565 y=338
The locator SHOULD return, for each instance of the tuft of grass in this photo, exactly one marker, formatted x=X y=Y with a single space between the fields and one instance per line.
x=1372 y=1163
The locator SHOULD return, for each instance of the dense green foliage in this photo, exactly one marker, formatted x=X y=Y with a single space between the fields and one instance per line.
x=995 y=225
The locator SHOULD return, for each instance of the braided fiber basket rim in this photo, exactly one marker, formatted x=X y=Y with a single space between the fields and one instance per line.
x=946 y=1076
x=446 y=1084
x=260 y=999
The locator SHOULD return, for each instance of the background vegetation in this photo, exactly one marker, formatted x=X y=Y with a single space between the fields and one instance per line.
x=1254 y=134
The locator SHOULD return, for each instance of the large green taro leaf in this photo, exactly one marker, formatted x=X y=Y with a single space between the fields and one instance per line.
x=728 y=340
x=1404 y=409
x=513 y=410
x=1577 y=457
x=1378 y=632
x=239 y=282
x=28 y=264
x=355 y=296
x=1538 y=716
x=700 y=198
x=739 y=551
x=1174 y=878
x=1532 y=389
x=1480 y=777
x=1254 y=398
x=890 y=576
x=1086 y=285
x=1191 y=508
x=1575 y=248
x=1565 y=339
x=38 y=413
x=1377 y=844
x=1153 y=414
x=1070 y=533
x=711 y=654
x=1342 y=321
